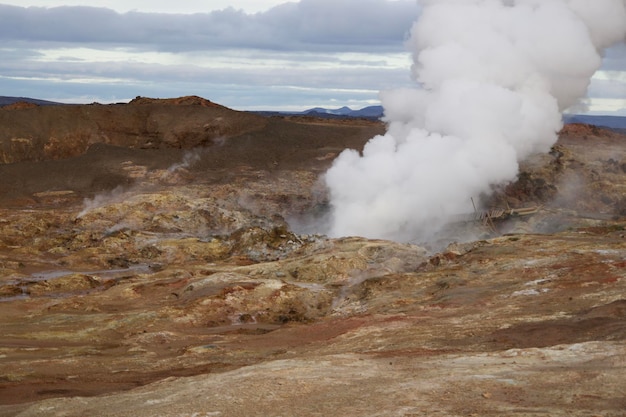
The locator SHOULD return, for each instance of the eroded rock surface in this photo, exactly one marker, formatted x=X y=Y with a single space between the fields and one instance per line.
x=199 y=287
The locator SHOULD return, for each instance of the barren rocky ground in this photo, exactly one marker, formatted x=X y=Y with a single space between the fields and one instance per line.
x=162 y=258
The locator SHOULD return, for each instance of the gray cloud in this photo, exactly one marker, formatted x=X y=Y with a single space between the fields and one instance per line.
x=313 y=52
x=339 y=25
x=294 y=54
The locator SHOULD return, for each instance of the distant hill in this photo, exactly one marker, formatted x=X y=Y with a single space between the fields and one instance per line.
x=5 y=101
x=342 y=111
x=370 y=112
x=616 y=123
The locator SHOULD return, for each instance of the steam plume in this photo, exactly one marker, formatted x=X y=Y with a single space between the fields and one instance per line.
x=494 y=76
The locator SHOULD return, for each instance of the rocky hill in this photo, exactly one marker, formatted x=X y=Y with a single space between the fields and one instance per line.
x=164 y=258
x=37 y=143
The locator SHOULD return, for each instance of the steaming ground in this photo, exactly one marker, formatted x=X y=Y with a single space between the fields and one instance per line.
x=124 y=192
x=183 y=288
x=494 y=77
x=140 y=278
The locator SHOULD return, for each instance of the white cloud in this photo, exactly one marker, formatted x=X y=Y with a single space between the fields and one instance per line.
x=606 y=94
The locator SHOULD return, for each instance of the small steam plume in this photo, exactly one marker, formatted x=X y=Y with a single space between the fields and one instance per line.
x=494 y=76
x=116 y=195
x=122 y=193
x=189 y=159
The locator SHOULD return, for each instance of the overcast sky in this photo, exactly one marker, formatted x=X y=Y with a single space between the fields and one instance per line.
x=254 y=54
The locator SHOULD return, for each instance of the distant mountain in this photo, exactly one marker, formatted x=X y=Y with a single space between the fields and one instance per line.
x=616 y=123
x=370 y=112
x=343 y=111
x=612 y=122
x=6 y=100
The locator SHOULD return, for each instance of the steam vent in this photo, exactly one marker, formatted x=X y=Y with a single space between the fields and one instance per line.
x=464 y=257
x=157 y=265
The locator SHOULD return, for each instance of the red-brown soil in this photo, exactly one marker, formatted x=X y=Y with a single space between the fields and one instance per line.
x=150 y=265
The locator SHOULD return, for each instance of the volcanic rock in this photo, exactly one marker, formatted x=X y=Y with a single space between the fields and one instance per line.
x=151 y=265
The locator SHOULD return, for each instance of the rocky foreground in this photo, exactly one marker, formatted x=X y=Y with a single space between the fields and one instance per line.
x=171 y=278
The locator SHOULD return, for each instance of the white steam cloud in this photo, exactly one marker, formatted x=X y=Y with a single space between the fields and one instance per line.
x=494 y=76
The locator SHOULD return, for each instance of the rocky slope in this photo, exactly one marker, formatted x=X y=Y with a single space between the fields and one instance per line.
x=148 y=274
